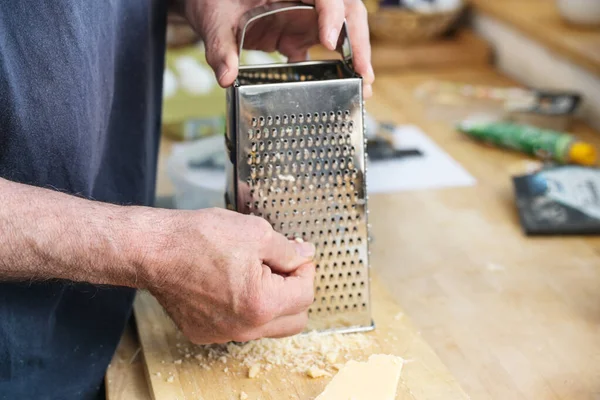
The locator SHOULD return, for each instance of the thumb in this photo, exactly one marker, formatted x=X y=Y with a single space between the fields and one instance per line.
x=285 y=256
x=221 y=50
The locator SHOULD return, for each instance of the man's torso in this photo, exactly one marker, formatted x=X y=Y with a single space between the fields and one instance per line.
x=80 y=85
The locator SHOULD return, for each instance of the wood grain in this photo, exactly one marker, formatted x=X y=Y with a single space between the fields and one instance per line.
x=512 y=316
x=424 y=377
x=125 y=377
x=541 y=20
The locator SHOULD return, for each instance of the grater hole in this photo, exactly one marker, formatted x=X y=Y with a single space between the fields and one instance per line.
x=285 y=118
x=261 y=121
x=269 y=120
x=316 y=116
x=254 y=121
x=324 y=116
x=300 y=118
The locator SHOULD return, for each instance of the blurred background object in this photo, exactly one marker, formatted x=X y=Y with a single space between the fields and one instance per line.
x=580 y=12
x=179 y=32
x=411 y=21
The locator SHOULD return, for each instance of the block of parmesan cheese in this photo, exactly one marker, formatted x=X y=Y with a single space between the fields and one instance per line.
x=375 y=379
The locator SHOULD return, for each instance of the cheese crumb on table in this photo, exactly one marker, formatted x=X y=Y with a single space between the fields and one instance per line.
x=170 y=379
x=243 y=396
x=331 y=357
x=177 y=362
x=316 y=372
x=254 y=371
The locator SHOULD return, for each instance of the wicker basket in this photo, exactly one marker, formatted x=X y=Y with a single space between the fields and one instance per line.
x=400 y=25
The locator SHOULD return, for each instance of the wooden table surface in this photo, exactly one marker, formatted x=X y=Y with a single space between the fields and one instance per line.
x=541 y=20
x=511 y=317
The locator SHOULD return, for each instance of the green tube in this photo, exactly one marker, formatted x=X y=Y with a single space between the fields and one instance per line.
x=543 y=143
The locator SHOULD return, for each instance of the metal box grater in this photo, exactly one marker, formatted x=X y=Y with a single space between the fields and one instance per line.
x=296 y=149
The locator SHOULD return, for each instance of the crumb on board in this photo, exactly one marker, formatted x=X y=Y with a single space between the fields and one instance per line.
x=254 y=371
x=243 y=396
x=170 y=379
x=177 y=362
x=226 y=370
x=331 y=357
x=337 y=366
x=399 y=316
x=316 y=372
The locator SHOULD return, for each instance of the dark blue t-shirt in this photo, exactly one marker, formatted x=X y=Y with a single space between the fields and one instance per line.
x=80 y=101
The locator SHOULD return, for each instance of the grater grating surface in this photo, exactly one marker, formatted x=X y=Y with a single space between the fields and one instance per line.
x=296 y=144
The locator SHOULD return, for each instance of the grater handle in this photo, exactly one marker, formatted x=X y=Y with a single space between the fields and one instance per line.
x=344 y=46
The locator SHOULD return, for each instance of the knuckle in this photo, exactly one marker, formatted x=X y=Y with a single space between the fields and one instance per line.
x=262 y=225
x=260 y=313
x=257 y=310
x=357 y=7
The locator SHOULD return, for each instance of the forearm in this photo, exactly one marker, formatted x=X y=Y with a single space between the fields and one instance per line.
x=45 y=234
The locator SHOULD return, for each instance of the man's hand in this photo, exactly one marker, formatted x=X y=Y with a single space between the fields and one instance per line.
x=221 y=275
x=216 y=21
x=225 y=276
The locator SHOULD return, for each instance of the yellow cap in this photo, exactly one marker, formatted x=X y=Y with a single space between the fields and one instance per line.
x=583 y=153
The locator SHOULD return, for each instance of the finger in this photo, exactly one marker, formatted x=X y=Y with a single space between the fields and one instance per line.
x=331 y=17
x=221 y=50
x=285 y=256
x=287 y=325
x=356 y=16
x=297 y=56
x=292 y=294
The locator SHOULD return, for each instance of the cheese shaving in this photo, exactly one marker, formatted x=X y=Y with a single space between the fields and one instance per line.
x=243 y=396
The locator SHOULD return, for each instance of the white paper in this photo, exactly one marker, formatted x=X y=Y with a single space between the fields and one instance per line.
x=434 y=169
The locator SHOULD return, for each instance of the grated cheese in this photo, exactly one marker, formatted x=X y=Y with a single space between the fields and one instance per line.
x=243 y=396
x=296 y=354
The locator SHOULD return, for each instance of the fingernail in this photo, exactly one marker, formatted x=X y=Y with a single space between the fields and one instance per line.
x=332 y=38
x=222 y=71
x=368 y=91
x=305 y=249
x=370 y=72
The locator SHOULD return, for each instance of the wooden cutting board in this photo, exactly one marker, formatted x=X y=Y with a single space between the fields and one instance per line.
x=423 y=377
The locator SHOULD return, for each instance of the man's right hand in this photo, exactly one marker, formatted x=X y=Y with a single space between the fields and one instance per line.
x=226 y=276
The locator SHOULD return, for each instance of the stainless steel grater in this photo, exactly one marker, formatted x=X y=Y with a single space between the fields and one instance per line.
x=296 y=149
